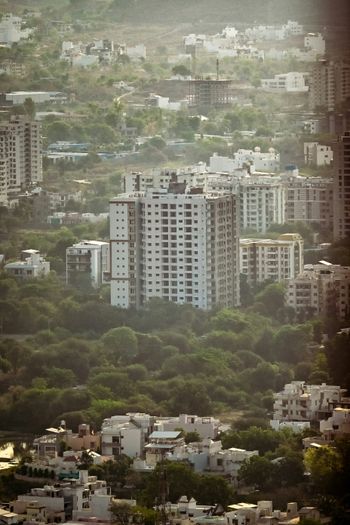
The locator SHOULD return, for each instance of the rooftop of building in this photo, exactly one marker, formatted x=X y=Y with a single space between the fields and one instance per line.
x=282 y=240
x=89 y=244
x=166 y=434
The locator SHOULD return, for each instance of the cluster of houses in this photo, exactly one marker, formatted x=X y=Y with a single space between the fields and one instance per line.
x=323 y=407
x=103 y=51
x=265 y=198
x=87 y=500
x=251 y=43
x=69 y=494
x=148 y=439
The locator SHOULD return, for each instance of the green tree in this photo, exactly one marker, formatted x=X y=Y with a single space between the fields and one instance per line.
x=324 y=464
x=272 y=298
x=121 y=343
x=257 y=472
x=181 y=70
x=29 y=108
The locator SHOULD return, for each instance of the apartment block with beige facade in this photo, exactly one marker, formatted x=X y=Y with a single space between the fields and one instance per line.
x=321 y=289
x=341 y=192
x=20 y=155
x=268 y=259
x=309 y=199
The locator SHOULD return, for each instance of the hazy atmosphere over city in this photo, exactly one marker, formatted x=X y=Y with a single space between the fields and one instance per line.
x=175 y=262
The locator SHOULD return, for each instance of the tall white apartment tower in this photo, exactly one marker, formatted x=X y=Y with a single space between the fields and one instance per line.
x=341 y=188
x=262 y=203
x=178 y=245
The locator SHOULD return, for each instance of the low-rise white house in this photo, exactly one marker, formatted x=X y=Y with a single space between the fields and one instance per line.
x=31 y=265
x=206 y=456
x=227 y=462
x=164 y=103
x=126 y=434
x=206 y=427
x=258 y=161
x=292 y=82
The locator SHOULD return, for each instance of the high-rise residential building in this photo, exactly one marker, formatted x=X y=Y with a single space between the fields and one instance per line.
x=89 y=259
x=268 y=259
x=176 y=244
x=262 y=203
x=309 y=199
x=341 y=187
x=20 y=155
x=4 y=168
x=329 y=84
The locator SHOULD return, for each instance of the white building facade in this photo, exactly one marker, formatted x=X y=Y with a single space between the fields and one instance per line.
x=316 y=154
x=299 y=401
x=262 y=203
x=292 y=82
x=177 y=245
x=126 y=434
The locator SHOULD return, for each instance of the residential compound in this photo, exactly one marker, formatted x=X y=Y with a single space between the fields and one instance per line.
x=65 y=500
x=321 y=289
x=263 y=512
x=177 y=244
x=20 y=156
x=163 y=227
x=267 y=259
x=89 y=260
x=299 y=401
